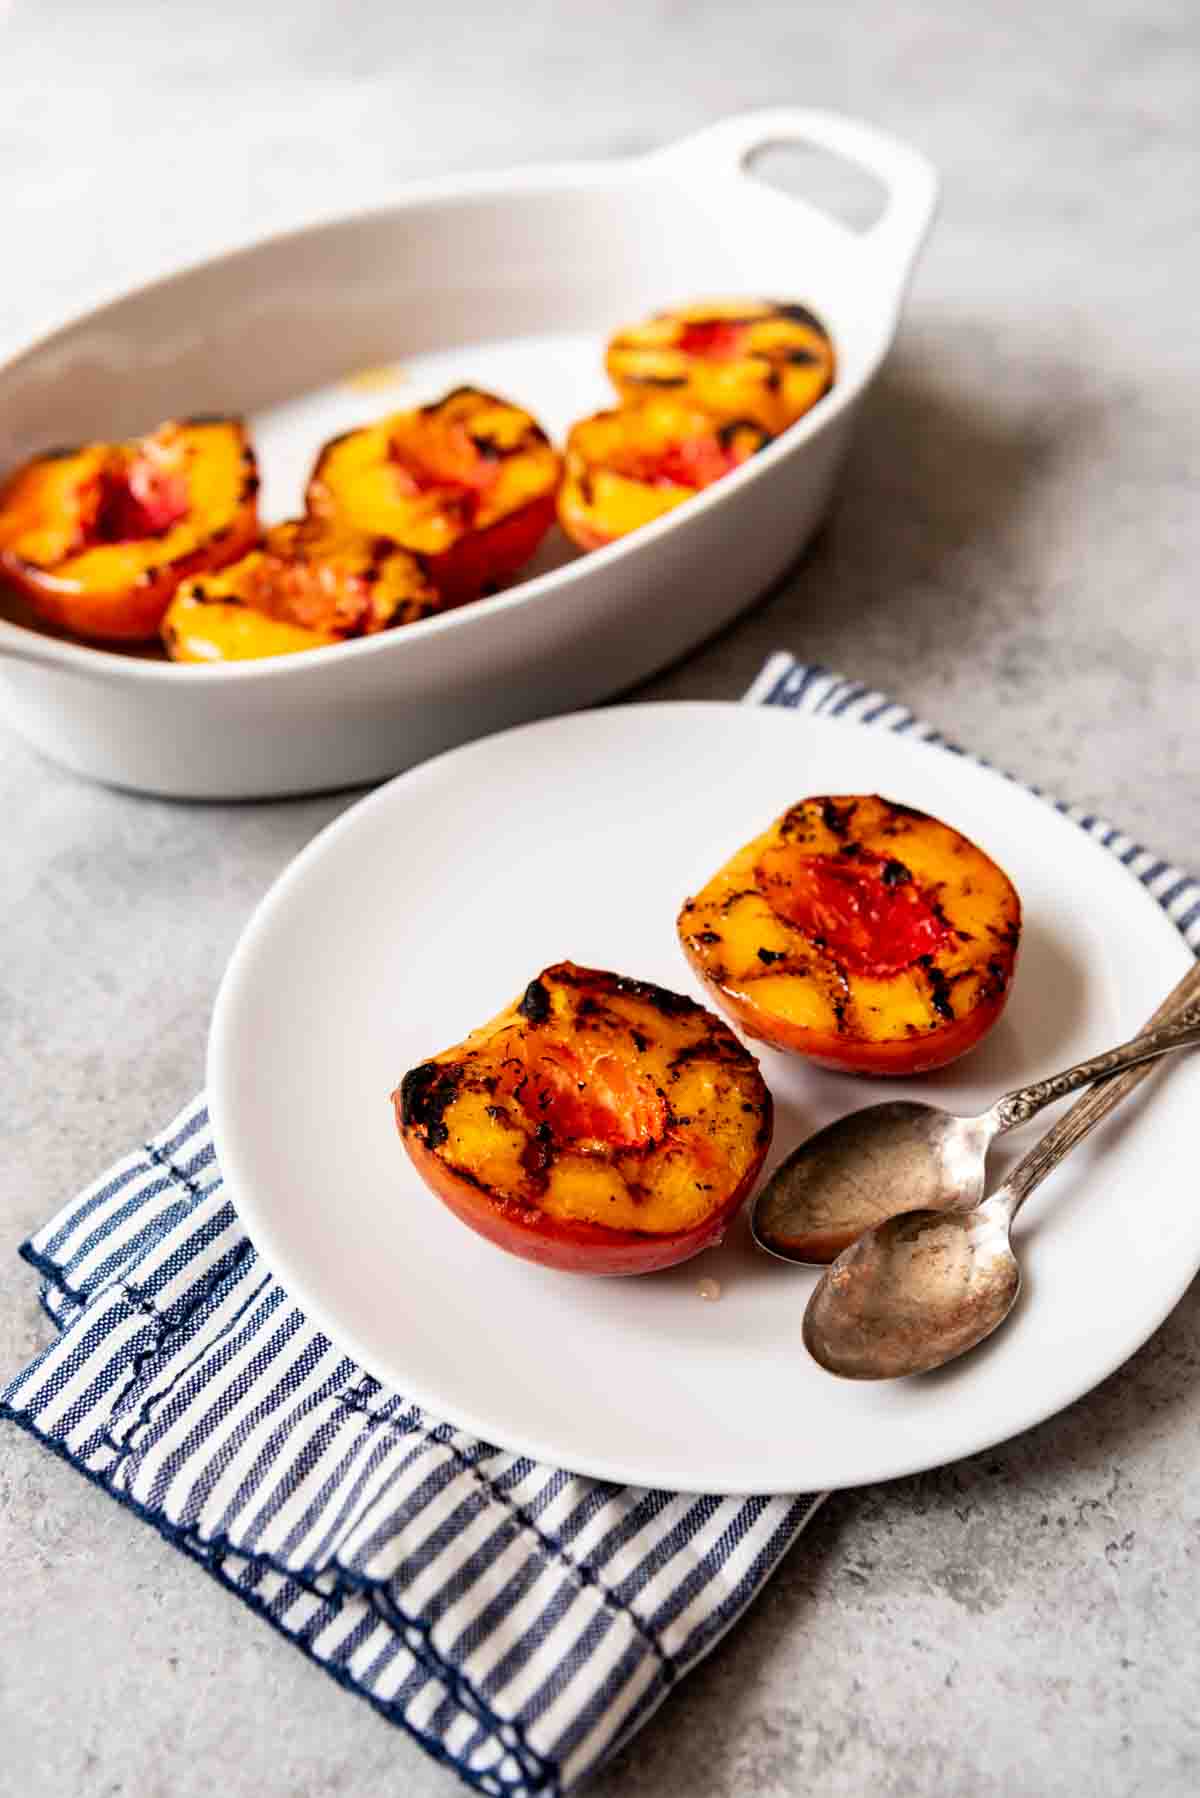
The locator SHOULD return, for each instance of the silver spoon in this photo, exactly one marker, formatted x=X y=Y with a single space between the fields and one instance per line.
x=926 y=1286
x=905 y=1156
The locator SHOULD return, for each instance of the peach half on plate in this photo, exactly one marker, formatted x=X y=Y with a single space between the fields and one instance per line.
x=859 y=932
x=763 y=360
x=99 y=538
x=599 y=1124
x=468 y=483
x=628 y=466
x=310 y=583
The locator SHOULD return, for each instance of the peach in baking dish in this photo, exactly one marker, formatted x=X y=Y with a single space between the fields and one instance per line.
x=767 y=361
x=629 y=466
x=310 y=583
x=99 y=538
x=468 y=483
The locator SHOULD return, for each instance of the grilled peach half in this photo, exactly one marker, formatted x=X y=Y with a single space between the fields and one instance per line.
x=751 y=359
x=310 y=583
x=860 y=933
x=100 y=538
x=626 y=467
x=468 y=484
x=600 y=1124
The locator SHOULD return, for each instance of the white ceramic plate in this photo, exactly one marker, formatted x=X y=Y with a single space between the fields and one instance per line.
x=513 y=279
x=430 y=904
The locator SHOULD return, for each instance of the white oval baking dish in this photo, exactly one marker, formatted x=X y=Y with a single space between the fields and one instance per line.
x=512 y=281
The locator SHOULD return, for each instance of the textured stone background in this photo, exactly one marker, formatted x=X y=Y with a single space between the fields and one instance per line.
x=1014 y=554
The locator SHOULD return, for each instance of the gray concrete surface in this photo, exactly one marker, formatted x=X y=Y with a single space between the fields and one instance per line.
x=1014 y=553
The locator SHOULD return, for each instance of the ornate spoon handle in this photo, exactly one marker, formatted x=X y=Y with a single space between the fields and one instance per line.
x=1175 y=1025
x=1089 y=1111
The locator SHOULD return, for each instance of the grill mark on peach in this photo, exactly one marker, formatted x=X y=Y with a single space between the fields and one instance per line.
x=799 y=315
x=426 y=1093
x=535 y=1003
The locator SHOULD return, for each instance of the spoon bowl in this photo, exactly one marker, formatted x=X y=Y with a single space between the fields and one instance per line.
x=862 y=1169
x=913 y=1294
x=924 y=1286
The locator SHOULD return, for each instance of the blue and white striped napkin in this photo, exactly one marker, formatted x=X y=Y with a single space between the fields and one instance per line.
x=519 y=1621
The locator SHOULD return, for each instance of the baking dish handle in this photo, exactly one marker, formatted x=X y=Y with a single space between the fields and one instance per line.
x=910 y=181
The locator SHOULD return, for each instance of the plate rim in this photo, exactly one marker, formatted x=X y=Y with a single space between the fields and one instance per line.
x=258 y=1228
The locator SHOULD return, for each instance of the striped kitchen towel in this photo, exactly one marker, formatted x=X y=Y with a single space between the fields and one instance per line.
x=519 y=1621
